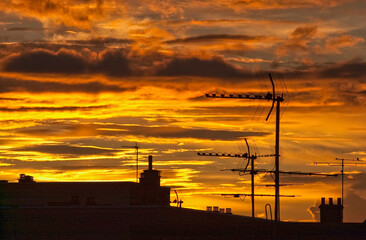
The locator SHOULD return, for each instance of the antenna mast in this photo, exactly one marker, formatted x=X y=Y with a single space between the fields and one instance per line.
x=136 y=147
x=348 y=162
x=251 y=159
x=275 y=100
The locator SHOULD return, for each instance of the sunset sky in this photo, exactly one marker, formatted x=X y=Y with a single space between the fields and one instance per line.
x=82 y=78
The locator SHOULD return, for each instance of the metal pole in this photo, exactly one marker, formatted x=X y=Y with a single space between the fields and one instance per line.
x=251 y=158
x=137 y=163
x=342 y=180
x=252 y=173
x=277 y=162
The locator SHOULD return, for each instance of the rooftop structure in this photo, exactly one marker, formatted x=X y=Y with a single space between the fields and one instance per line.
x=147 y=192
x=331 y=213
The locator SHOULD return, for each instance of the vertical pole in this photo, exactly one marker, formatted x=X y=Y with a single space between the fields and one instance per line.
x=137 y=163
x=251 y=158
x=252 y=173
x=277 y=162
x=342 y=180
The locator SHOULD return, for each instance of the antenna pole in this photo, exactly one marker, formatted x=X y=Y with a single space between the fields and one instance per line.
x=252 y=173
x=137 y=163
x=342 y=164
x=136 y=147
x=277 y=162
x=342 y=180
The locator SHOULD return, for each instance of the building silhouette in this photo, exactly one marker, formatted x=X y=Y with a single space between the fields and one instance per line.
x=127 y=210
x=29 y=193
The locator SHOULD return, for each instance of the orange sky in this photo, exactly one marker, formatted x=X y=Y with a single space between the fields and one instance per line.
x=80 y=79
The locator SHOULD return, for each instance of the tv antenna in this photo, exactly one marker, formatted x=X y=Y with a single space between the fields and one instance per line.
x=342 y=163
x=251 y=159
x=177 y=200
x=136 y=147
x=276 y=100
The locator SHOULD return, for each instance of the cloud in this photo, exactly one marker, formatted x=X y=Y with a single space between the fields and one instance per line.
x=65 y=164
x=265 y=4
x=298 y=41
x=315 y=211
x=50 y=109
x=100 y=41
x=78 y=13
x=65 y=129
x=215 y=67
x=67 y=150
x=333 y=44
x=112 y=62
x=34 y=86
x=177 y=132
x=355 y=207
x=109 y=62
x=355 y=68
x=217 y=37
x=45 y=61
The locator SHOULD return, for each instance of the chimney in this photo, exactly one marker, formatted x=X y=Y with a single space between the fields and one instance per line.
x=150 y=162
x=330 y=213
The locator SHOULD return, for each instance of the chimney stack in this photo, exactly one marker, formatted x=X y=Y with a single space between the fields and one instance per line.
x=150 y=162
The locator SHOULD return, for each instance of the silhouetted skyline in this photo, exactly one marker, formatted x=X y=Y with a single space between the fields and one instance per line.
x=80 y=79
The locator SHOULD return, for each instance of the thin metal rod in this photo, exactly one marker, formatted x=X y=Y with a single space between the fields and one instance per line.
x=277 y=162
x=252 y=176
x=137 y=163
x=251 y=158
x=342 y=180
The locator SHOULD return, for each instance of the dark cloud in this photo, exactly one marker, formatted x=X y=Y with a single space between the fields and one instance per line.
x=66 y=108
x=355 y=207
x=45 y=61
x=67 y=150
x=296 y=179
x=177 y=132
x=112 y=62
x=216 y=37
x=303 y=32
x=17 y=85
x=355 y=68
x=64 y=165
x=359 y=181
x=24 y=29
x=298 y=40
x=65 y=129
x=102 y=41
x=109 y=62
x=215 y=67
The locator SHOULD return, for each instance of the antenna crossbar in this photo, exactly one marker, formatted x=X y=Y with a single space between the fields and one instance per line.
x=268 y=96
x=236 y=195
x=213 y=154
x=283 y=172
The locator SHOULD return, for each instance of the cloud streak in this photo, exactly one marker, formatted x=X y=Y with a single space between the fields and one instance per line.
x=110 y=62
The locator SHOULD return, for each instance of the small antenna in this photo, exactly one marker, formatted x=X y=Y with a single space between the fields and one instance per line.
x=251 y=158
x=137 y=159
x=348 y=162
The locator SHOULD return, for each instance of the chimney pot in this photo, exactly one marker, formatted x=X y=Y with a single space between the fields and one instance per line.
x=330 y=201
